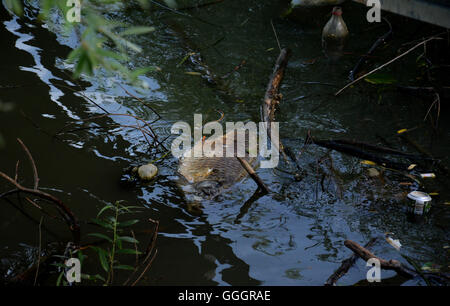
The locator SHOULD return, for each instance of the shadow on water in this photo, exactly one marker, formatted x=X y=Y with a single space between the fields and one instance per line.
x=293 y=236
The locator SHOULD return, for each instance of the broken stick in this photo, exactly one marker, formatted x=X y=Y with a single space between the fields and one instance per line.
x=346 y=265
x=392 y=264
x=272 y=97
x=253 y=174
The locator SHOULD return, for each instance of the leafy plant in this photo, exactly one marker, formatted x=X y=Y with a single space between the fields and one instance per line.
x=110 y=245
x=380 y=78
x=103 y=41
x=115 y=239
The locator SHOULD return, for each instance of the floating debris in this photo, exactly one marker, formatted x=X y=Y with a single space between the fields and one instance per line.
x=373 y=172
x=412 y=166
x=368 y=162
x=192 y=73
x=428 y=175
x=147 y=172
x=334 y=35
x=210 y=175
x=394 y=242
x=420 y=202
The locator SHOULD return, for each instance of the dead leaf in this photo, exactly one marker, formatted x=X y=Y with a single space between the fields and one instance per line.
x=412 y=166
x=394 y=242
x=193 y=73
x=368 y=162
x=373 y=172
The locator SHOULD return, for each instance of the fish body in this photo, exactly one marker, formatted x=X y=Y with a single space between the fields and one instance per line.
x=206 y=177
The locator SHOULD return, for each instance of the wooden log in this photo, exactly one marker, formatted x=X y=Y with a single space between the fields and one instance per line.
x=356 y=152
x=392 y=264
x=272 y=97
x=346 y=265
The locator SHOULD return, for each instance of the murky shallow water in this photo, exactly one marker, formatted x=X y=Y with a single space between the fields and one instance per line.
x=293 y=236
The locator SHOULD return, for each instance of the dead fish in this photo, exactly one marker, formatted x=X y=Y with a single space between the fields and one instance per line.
x=334 y=35
x=206 y=177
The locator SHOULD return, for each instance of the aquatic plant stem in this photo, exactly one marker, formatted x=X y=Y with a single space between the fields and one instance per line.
x=111 y=256
x=33 y=164
x=39 y=251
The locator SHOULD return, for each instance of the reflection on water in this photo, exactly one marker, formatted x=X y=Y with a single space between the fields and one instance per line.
x=293 y=236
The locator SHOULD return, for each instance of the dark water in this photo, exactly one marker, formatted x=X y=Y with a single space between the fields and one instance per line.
x=293 y=236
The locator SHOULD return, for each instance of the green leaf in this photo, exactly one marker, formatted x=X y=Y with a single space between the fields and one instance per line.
x=102 y=236
x=58 y=281
x=140 y=71
x=81 y=256
x=103 y=257
x=124 y=267
x=127 y=223
x=128 y=239
x=102 y=223
x=84 y=64
x=380 y=78
x=15 y=6
x=137 y=31
x=128 y=251
x=104 y=209
x=59 y=265
x=93 y=277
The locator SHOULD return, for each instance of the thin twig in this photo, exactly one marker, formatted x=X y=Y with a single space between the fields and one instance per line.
x=438 y=102
x=63 y=209
x=148 y=252
x=140 y=100
x=372 y=49
x=39 y=207
x=150 y=131
x=145 y=269
x=33 y=165
x=386 y=64
x=39 y=251
x=276 y=36
x=135 y=247
x=253 y=174
x=17 y=171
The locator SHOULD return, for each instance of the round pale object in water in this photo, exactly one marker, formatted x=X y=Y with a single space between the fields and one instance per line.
x=147 y=172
